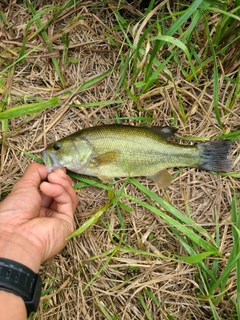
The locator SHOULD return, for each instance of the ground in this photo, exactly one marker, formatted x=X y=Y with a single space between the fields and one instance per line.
x=130 y=263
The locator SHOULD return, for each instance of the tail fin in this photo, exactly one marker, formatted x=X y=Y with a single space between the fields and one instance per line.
x=214 y=155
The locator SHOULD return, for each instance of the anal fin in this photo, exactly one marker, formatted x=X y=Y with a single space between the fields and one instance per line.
x=161 y=178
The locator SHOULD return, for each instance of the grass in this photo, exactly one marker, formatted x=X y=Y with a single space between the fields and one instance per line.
x=138 y=252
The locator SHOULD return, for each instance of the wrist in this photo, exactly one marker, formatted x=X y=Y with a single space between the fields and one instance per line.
x=17 y=247
x=12 y=306
x=20 y=280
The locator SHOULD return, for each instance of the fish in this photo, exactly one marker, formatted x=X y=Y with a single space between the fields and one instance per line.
x=116 y=150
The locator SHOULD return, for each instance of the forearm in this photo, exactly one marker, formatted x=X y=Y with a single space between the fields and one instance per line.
x=16 y=248
x=35 y=220
x=12 y=307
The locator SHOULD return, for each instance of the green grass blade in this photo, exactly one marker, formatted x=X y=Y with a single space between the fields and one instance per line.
x=236 y=245
x=215 y=77
x=113 y=252
x=230 y=135
x=215 y=264
x=28 y=109
x=20 y=59
x=214 y=311
x=94 y=80
x=192 y=253
x=167 y=206
x=147 y=313
x=175 y=224
x=3 y=18
x=90 y=222
x=46 y=40
x=210 y=59
x=153 y=76
x=170 y=221
x=195 y=258
x=32 y=156
x=153 y=298
x=179 y=44
x=102 y=308
x=225 y=274
x=172 y=30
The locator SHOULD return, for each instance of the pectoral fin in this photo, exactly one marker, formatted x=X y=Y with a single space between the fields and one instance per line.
x=104 y=158
x=161 y=178
x=163 y=132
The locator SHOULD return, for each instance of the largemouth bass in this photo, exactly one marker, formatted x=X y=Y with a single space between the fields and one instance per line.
x=113 y=151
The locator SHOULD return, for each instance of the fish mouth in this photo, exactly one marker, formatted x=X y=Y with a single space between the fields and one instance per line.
x=50 y=161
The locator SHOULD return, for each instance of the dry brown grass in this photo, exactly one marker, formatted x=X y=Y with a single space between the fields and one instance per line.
x=68 y=290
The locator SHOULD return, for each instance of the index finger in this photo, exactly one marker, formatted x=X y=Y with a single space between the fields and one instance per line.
x=60 y=177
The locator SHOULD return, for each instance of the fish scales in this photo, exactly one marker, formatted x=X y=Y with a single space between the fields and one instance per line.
x=113 y=151
x=140 y=154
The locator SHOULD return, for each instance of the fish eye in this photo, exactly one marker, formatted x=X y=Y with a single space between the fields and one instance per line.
x=57 y=146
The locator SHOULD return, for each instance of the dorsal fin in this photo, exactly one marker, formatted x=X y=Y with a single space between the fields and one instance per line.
x=163 y=132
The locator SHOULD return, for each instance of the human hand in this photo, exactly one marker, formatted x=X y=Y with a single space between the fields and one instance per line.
x=37 y=216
